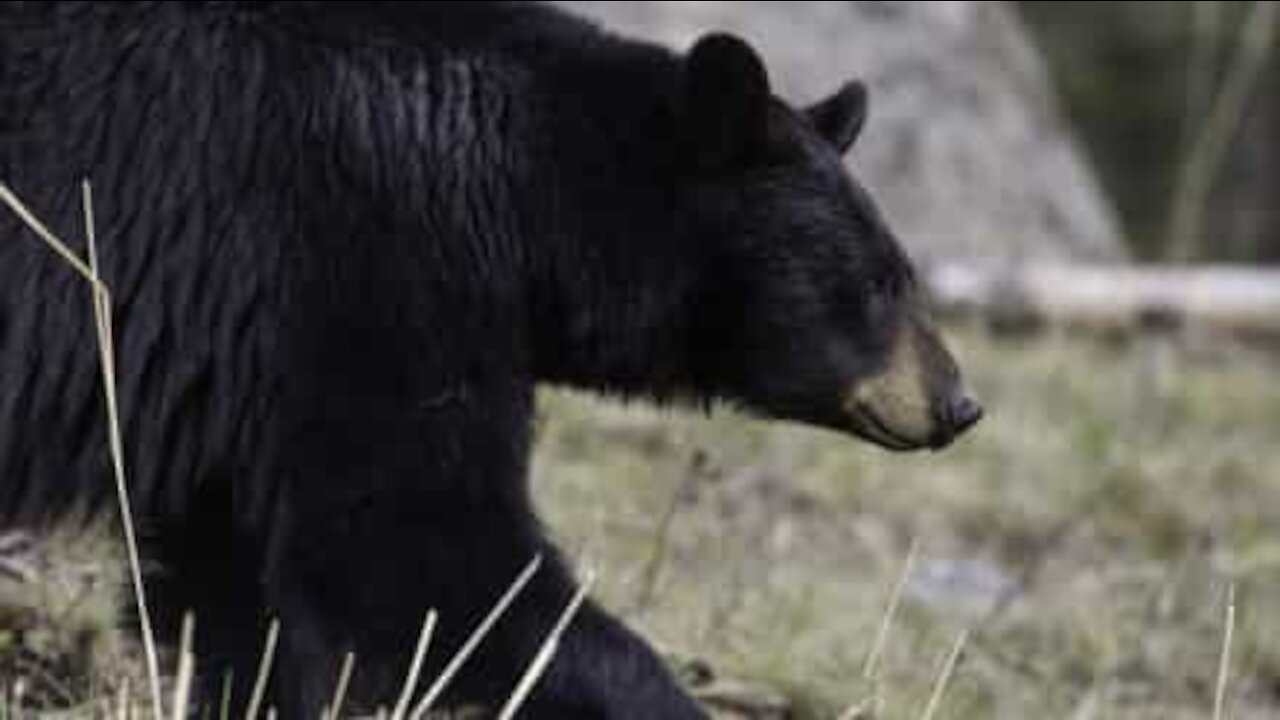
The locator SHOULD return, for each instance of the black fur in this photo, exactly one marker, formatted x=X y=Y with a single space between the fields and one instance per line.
x=345 y=242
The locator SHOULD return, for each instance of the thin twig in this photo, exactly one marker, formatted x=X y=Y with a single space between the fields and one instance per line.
x=662 y=533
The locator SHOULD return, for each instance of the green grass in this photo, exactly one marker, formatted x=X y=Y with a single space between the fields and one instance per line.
x=1086 y=534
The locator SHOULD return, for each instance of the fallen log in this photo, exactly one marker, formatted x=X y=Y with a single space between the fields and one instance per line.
x=1234 y=299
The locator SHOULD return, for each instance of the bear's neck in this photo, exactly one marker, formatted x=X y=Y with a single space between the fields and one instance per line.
x=617 y=259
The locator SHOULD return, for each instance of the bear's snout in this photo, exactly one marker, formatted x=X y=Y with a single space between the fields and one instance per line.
x=917 y=400
x=959 y=414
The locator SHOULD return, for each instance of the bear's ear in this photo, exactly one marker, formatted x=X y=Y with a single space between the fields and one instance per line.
x=840 y=117
x=725 y=100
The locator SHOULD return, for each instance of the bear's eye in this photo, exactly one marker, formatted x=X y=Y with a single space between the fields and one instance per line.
x=883 y=297
x=877 y=302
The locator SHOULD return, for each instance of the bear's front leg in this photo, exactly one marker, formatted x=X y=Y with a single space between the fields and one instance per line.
x=374 y=607
x=603 y=670
x=429 y=509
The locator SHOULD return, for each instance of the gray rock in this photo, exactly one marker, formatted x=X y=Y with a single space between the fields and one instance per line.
x=966 y=150
x=969 y=587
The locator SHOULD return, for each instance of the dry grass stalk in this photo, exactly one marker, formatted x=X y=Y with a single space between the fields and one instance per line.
x=871 y=667
x=124 y=703
x=264 y=671
x=186 y=669
x=415 y=666
x=547 y=651
x=437 y=688
x=224 y=705
x=106 y=348
x=334 y=711
x=944 y=677
x=1224 y=659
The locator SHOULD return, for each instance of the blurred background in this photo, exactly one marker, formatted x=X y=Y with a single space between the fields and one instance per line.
x=1037 y=129
x=1091 y=192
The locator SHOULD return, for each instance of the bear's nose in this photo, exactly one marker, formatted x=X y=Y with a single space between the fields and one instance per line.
x=963 y=413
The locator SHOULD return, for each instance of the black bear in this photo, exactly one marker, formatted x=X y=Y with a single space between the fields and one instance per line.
x=346 y=241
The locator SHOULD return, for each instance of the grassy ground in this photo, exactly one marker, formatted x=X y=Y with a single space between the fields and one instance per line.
x=1085 y=535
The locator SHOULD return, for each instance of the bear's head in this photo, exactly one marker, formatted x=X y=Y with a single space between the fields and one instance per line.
x=810 y=310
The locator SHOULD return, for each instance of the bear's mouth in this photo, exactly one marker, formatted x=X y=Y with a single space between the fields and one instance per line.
x=869 y=426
